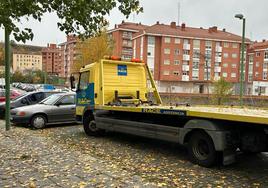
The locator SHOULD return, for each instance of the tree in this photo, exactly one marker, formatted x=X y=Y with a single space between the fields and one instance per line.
x=2 y=53
x=17 y=77
x=92 y=49
x=83 y=17
x=221 y=91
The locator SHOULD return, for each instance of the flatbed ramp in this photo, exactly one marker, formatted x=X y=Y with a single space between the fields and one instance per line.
x=247 y=115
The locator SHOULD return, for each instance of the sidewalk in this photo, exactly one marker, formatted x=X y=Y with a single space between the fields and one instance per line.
x=34 y=161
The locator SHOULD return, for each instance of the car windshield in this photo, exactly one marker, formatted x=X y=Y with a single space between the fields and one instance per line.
x=50 y=100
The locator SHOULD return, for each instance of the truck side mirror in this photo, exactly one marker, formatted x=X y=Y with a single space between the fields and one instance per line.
x=72 y=81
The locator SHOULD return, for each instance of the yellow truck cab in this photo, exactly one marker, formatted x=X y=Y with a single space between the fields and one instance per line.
x=113 y=95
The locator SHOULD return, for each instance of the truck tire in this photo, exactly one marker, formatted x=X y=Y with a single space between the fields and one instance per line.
x=201 y=149
x=90 y=127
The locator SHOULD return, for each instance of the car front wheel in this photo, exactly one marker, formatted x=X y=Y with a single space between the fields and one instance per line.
x=38 y=122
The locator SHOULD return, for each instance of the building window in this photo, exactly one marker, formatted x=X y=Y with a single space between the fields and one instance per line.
x=208 y=45
x=225 y=74
x=165 y=72
x=151 y=40
x=234 y=55
x=185 y=41
x=257 y=64
x=225 y=65
x=257 y=74
x=177 y=41
x=196 y=54
x=195 y=75
x=167 y=51
x=266 y=55
x=226 y=44
x=225 y=55
x=258 y=54
x=185 y=52
x=176 y=62
x=196 y=44
x=233 y=75
x=166 y=62
x=195 y=65
x=176 y=73
x=264 y=75
x=177 y=52
x=235 y=45
x=233 y=65
x=167 y=39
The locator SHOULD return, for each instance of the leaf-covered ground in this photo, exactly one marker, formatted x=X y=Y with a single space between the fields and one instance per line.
x=63 y=156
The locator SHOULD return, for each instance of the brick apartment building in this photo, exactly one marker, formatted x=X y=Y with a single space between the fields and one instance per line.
x=257 y=69
x=122 y=35
x=68 y=54
x=185 y=59
x=52 y=60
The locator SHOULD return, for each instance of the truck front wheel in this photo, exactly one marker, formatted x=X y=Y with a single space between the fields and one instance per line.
x=90 y=127
x=201 y=149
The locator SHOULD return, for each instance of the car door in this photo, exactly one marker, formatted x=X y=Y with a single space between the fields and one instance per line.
x=66 y=108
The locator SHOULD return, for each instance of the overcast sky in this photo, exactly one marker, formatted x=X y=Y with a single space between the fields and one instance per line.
x=195 y=13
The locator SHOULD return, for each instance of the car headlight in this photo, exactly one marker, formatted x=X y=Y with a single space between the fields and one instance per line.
x=21 y=113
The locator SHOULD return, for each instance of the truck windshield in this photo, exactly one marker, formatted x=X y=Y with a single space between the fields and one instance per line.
x=83 y=80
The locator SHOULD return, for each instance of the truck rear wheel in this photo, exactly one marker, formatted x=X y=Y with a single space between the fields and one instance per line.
x=201 y=149
x=90 y=127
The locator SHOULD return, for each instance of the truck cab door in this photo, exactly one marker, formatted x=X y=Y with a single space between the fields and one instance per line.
x=85 y=91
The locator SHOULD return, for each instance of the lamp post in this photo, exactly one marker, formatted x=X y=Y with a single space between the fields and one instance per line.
x=7 y=77
x=241 y=17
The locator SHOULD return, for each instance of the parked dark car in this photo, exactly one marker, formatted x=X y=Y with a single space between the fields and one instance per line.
x=26 y=99
x=58 y=108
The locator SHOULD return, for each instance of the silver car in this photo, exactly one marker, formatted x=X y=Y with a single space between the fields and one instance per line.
x=58 y=108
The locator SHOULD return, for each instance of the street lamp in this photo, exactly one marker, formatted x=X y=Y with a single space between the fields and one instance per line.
x=241 y=17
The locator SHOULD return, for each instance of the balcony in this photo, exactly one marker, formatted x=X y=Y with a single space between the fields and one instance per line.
x=185 y=78
x=186 y=57
x=217 y=69
x=218 y=49
x=186 y=46
x=185 y=68
x=218 y=59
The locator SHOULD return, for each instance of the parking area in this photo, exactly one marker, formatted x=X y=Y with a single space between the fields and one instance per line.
x=63 y=156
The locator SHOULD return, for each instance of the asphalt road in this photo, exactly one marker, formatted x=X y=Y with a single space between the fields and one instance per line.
x=63 y=156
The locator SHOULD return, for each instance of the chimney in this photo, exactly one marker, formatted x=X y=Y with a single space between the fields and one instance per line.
x=123 y=21
x=183 y=26
x=173 y=25
x=224 y=30
x=115 y=26
x=157 y=23
x=263 y=40
x=214 y=29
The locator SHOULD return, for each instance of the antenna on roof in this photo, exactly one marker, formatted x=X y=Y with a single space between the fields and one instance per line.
x=179 y=12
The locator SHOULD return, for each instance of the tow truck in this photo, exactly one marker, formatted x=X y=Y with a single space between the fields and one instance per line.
x=115 y=95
